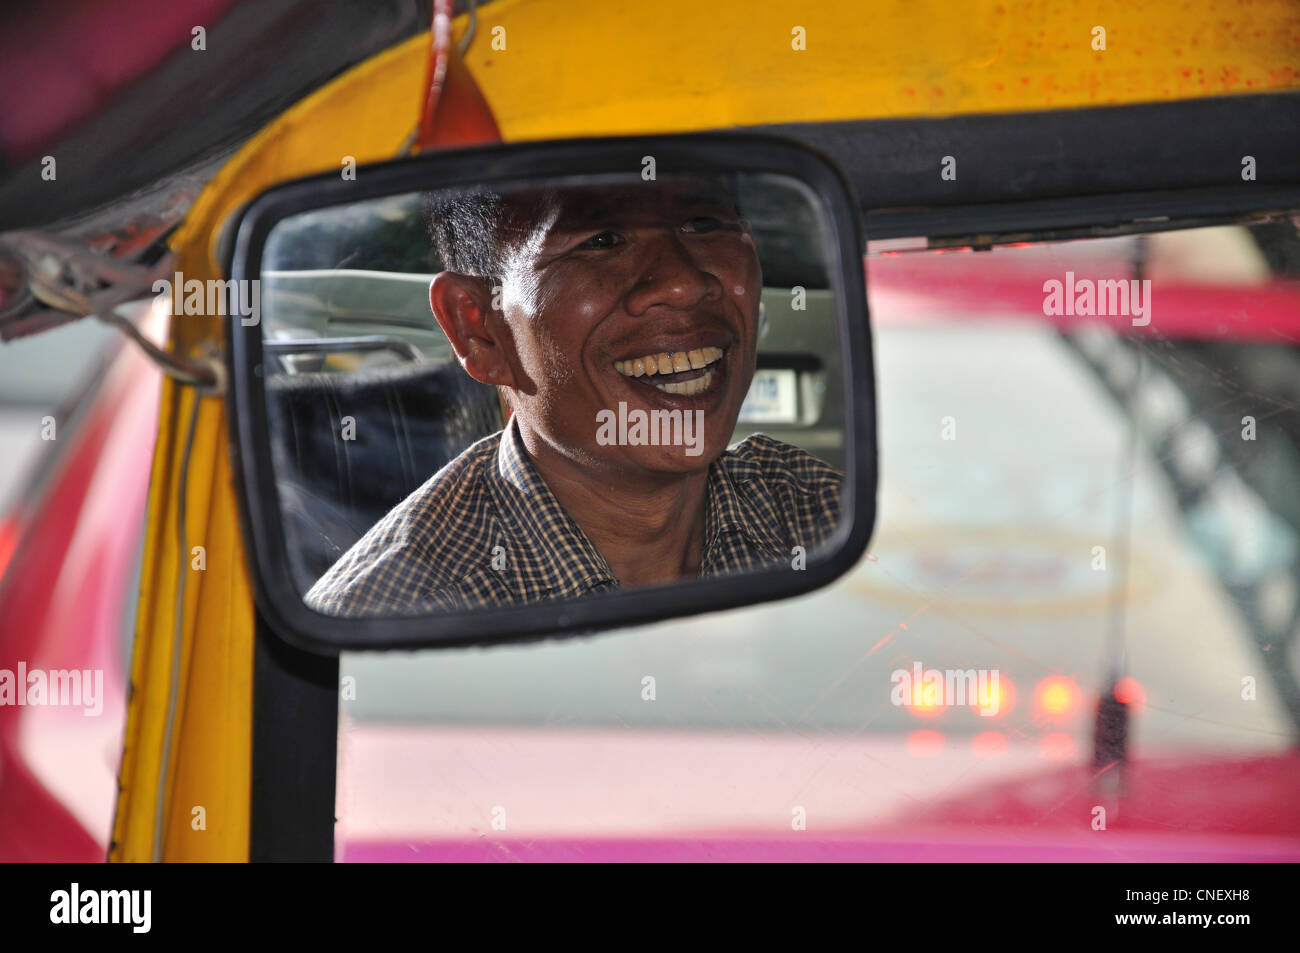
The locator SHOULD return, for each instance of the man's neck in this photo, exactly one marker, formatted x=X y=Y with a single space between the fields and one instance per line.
x=649 y=530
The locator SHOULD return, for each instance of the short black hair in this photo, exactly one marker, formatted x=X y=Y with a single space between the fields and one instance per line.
x=463 y=226
x=468 y=227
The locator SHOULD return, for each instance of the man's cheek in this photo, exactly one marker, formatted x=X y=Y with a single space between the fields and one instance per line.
x=555 y=367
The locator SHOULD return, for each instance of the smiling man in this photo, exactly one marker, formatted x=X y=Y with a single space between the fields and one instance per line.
x=620 y=325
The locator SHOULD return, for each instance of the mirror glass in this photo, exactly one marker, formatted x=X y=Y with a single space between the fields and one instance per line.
x=551 y=389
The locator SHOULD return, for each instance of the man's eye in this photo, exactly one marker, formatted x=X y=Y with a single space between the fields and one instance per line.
x=603 y=240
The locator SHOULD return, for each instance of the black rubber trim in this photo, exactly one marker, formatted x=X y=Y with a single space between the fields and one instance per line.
x=279 y=599
x=1013 y=166
x=295 y=740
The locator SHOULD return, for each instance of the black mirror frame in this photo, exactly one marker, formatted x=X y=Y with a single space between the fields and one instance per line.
x=278 y=598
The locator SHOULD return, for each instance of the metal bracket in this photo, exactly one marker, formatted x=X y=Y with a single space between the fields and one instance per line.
x=73 y=283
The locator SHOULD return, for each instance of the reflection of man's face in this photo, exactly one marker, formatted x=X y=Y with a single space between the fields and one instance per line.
x=645 y=295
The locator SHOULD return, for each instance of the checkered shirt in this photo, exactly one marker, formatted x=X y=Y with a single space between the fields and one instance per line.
x=486 y=530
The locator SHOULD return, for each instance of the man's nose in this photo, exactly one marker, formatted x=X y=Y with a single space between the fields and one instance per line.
x=671 y=278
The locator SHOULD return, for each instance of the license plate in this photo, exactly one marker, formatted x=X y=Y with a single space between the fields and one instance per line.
x=773 y=397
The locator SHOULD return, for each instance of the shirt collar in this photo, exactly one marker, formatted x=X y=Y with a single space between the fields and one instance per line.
x=739 y=518
x=561 y=557
x=739 y=515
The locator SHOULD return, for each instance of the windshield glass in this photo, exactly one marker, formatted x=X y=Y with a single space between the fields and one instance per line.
x=1089 y=459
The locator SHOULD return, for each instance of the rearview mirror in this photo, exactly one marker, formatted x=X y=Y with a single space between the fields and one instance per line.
x=514 y=391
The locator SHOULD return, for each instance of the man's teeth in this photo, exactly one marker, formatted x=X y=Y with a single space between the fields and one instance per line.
x=666 y=363
x=695 y=385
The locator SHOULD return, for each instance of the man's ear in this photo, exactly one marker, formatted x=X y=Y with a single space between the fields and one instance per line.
x=462 y=306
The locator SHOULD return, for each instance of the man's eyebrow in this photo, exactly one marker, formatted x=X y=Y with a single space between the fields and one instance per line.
x=720 y=197
x=585 y=217
x=579 y=218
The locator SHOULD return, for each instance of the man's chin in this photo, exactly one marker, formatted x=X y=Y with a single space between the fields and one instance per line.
x=652 y=461
x=665 y=436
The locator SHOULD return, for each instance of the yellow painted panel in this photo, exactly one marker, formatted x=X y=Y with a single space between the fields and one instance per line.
x=592 y=67
x=365 y=114
x=211 y=740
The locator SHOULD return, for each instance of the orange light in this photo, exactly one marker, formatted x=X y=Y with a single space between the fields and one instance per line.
x=989 y=744
x=1056 y=747
x=924 y=743
x=923 y=707
x=997 y=699
x=1129 y=692
x=1057 y=696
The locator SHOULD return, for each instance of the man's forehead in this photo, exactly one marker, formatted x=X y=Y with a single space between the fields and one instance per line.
x=559 y=209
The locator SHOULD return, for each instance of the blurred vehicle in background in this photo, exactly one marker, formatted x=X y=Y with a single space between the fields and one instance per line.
x=79 y=417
